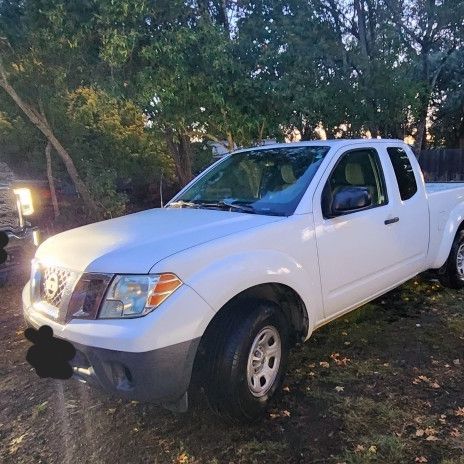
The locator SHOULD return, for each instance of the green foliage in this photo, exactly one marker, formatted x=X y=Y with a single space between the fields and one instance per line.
x=131 y=86
x=101 y=184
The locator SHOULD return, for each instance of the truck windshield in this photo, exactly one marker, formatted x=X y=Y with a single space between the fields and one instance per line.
x=267 y=181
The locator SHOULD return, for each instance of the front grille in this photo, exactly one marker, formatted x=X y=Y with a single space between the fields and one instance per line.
x=63 y=294
x=56 y=283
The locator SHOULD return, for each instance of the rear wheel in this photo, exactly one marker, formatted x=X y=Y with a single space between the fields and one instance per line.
x=453 y=275
x=245 y=359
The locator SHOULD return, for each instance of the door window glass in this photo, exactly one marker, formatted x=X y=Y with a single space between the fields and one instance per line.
x=357 y=168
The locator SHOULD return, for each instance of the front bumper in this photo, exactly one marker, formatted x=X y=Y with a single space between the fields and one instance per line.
x=157 y=376
x=148 y=359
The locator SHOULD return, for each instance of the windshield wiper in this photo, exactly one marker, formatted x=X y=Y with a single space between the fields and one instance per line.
x=183 y=204
x=222 y=204
x=231 y=205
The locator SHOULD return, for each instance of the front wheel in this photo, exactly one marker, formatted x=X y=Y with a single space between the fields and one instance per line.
x=246 y=359
x=453 y=275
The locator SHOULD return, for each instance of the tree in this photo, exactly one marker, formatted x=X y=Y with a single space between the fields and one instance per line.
x=431 y=29
x=41 y=122
x=447 y=128
x=56 y=48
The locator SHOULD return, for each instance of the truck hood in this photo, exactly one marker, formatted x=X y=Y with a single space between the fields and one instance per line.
x=133 y=244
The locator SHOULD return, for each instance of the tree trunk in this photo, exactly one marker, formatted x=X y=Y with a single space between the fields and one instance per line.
x=41 y=123
x=181 y=151
x=51 y=181
x=359 y=8
x=419 y=137
x=460 y=134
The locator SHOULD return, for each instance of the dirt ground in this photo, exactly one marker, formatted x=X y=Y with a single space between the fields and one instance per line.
x=384 y=385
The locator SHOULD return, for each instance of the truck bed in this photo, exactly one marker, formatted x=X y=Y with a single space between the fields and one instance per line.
x=432 y=187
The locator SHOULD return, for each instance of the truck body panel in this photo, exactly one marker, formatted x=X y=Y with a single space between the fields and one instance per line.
x=333 y=261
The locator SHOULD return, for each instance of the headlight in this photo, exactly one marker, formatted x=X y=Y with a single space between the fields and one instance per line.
x=137 y=295
x=25 y=200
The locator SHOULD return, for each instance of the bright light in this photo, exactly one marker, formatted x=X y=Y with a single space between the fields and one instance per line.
x=25 y=200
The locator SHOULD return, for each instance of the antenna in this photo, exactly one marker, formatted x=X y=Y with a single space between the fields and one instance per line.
x=161 y=189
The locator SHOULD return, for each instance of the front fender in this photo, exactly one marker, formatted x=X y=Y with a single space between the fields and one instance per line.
x=221 y=280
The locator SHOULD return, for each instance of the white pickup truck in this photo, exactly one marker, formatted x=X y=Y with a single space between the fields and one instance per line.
x=257 y=252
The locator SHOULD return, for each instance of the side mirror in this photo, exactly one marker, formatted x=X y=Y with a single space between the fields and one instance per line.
x=349 y=200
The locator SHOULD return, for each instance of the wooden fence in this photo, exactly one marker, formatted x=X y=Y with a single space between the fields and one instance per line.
x=442 y=165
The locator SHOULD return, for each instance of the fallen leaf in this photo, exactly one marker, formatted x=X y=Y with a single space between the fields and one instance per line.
x=339 y=361
x=459 y=412
x=420 y=433
x=359 y=449
x=455 y=433
x=15 y=443
x=372 y=449
x=421 y=459
x=324 y=364
x=339 y=389
x=182 y=458
x=431 y=438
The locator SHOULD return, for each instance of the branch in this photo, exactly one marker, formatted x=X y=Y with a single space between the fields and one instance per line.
x=401 y=25
x=194 y=133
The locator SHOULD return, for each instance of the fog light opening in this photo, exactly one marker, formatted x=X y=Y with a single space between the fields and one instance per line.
x=122 y=377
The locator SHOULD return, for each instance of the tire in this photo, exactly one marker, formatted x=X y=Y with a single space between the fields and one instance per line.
x=453 y=275
x=228 y=360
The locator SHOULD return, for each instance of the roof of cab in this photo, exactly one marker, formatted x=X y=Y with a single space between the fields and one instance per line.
x=321 y=143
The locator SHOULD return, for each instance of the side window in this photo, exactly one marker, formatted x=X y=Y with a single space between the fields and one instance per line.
x=356 y=168
x=403 y=171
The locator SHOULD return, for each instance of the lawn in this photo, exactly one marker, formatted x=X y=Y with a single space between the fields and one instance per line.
x=382 y=385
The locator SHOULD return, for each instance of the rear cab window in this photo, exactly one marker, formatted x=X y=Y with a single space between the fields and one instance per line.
x=404 y=172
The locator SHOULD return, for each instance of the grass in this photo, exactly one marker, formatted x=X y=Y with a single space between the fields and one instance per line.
x=382 y=385
x=400 y=352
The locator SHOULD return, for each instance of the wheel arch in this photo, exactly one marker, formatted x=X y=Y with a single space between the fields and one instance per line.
x=451 y=229
x=283 y=295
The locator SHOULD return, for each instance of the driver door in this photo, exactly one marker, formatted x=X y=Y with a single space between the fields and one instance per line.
x=354 y=248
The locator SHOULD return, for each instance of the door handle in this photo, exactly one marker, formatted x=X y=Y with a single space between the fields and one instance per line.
x=391 y=221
